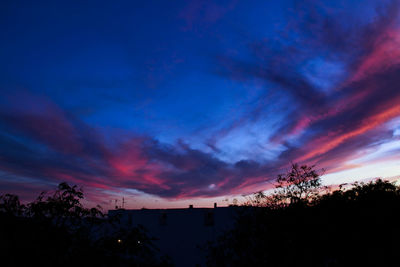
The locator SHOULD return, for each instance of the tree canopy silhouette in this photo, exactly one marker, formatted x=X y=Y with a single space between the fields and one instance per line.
x=57 y=230
x=301 y=184
x=346 y=227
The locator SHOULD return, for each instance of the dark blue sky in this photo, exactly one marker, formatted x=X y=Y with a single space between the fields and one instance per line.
x=195 y=101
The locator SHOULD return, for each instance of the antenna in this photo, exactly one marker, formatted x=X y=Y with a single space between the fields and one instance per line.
x=116 y=206
x=123 y=202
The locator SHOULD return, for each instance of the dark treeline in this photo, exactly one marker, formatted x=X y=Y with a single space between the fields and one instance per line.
x=297 y=226
x=56 y=230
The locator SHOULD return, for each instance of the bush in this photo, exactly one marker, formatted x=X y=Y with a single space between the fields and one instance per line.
x=56 y=230
x=354 y=227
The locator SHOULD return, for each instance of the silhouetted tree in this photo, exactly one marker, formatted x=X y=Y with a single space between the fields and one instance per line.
x=57 y=230
x=354 y=227
x=301 y=184
x=11 y=205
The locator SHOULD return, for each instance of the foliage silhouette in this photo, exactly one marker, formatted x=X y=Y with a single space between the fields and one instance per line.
x=353 y=227
x=56 y=230
x=301 y=184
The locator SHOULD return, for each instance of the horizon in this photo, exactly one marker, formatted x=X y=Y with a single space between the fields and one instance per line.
x=172 y=104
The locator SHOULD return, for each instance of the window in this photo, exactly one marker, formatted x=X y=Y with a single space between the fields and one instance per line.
x=163 y=219
x=209 y=218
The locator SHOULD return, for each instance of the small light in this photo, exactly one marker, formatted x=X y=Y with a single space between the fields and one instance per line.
x=138 y=241
x=119 y=241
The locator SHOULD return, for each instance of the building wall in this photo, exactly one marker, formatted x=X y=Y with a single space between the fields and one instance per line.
x=181 y=232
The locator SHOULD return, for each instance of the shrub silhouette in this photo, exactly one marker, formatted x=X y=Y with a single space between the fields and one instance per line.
x=354 y=227
x=301 y=184
x=56 y=230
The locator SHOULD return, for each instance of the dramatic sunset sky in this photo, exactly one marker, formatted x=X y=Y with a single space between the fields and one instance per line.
x=170 y=103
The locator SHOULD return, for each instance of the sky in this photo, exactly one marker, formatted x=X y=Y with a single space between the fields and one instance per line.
x=171 y=103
